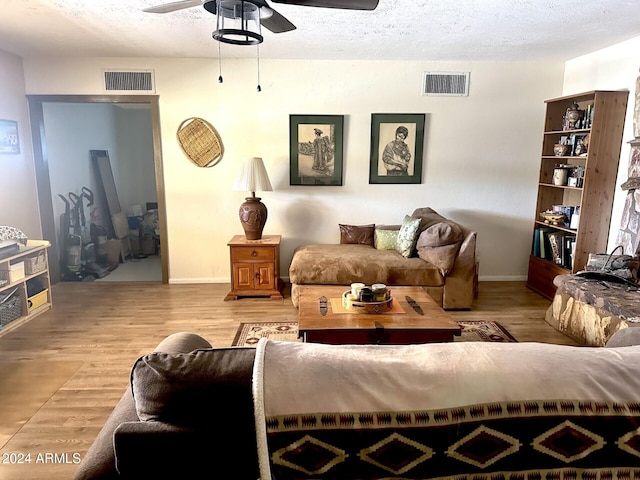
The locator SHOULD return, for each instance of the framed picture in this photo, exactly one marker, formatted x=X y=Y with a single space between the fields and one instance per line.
x=397 y=140
x=9 y=142
x=315 y=149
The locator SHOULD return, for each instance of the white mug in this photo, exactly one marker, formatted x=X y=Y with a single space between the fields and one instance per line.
x=355 y=289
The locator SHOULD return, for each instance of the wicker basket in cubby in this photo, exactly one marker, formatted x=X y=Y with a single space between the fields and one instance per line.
x=35 y=263
x=11 y=307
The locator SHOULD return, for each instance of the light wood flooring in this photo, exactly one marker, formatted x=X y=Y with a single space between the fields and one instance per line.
x=62 y=372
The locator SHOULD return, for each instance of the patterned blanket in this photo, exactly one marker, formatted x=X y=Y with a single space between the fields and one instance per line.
x=456 y=410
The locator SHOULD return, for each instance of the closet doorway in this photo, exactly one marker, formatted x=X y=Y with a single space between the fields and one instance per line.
x=49 y=214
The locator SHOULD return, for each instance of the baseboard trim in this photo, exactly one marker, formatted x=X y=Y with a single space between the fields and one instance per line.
x=503 y=278
x=178 y=281
x=185 y=281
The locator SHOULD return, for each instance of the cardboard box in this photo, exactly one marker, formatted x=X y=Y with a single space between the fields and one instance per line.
x=16 y=271
x=113 y=249
x=148 y=246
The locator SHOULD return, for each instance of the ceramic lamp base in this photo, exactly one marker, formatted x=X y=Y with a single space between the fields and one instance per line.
x=253 y=216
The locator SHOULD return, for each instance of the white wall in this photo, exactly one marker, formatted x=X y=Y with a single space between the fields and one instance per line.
x=18 y=193
x=612 y=68
x=480 y=167
x=72 y=130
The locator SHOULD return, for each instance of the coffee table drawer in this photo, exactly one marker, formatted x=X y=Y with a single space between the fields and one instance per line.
x=376 y=337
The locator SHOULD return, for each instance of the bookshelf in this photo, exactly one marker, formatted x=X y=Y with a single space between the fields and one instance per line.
x=588 y=185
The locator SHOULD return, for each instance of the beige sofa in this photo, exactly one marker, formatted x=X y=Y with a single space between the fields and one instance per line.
x=443 y=260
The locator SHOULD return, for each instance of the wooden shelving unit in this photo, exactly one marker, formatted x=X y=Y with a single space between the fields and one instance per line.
x=31 y=304
x=595 y=195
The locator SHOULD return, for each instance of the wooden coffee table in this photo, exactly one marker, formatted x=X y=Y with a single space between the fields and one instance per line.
x=318 y=323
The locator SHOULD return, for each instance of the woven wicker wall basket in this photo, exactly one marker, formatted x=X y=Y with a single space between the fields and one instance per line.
x=200 y=142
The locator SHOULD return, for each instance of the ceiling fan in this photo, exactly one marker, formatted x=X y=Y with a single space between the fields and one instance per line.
x=269 y=18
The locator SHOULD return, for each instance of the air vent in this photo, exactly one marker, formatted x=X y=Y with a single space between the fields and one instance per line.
x=451 y=84
x=129 y=81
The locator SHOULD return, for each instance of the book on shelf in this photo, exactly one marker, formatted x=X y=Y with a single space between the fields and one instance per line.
x=554 y=245
x=568 y=250
x=556 y=242
x=575 y=219
x=535 y=247
x=543 y=242
x=540 y=245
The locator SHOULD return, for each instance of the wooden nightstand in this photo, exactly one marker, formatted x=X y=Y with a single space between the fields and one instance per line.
x=255 y=267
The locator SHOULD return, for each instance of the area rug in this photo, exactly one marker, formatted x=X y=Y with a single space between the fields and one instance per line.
x=249 y=334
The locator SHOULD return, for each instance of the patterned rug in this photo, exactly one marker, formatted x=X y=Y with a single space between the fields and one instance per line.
x=248 y=334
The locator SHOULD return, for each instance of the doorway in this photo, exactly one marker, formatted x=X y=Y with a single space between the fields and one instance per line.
x=37 y=107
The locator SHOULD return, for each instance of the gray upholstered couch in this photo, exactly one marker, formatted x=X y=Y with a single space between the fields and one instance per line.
x=184 y=446
x=442 y=260
x=192 y=415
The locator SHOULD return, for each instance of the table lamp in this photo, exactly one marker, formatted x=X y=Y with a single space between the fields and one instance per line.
x=253 y=177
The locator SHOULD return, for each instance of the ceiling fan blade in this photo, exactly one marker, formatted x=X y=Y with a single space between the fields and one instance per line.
x=173 y=6
x=343 y=4
x=277 y=23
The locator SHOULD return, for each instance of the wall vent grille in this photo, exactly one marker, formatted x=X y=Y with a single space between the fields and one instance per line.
x=446 y=84
x=129 y=81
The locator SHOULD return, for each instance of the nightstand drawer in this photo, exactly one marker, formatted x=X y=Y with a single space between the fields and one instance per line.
x=253 y=253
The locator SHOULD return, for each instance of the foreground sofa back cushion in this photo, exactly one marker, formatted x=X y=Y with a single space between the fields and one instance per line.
x=206 y=391
x=193 y=389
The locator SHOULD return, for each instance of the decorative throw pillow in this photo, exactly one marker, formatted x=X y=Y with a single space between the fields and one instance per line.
x=407 y=236
x=362 y=234
x=439 y=234
x=439 y=244
x=428 y=216
x=385 y=239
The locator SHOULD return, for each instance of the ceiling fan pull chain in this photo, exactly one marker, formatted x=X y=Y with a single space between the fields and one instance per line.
x=219 y=65
x=259 y=89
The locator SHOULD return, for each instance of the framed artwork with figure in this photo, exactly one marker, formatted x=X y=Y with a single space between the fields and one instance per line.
x=316 y=149
x=397 y=142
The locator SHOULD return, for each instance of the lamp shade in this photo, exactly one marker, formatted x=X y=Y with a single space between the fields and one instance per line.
x=252 y=177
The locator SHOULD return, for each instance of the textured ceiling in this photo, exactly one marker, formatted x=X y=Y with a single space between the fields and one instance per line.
x=398 y=29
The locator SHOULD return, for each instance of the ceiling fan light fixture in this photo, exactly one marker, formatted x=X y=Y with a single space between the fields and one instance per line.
x=237 y=22
x=265 y=12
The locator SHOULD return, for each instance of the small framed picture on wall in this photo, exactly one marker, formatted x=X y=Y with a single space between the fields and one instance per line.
x=315 y=149
x=397 y=142
x=9 y=141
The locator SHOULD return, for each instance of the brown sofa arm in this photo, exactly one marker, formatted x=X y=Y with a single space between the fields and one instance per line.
x=99 y=463
x=153 y=449
x=459 y=283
